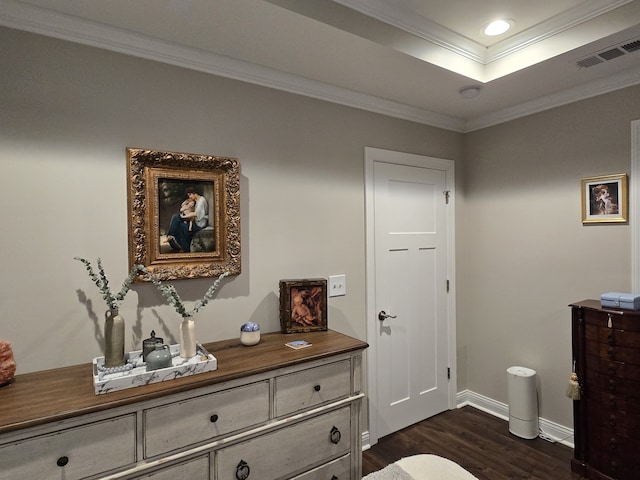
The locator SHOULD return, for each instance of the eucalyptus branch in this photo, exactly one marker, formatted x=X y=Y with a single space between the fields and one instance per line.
x=101 y=281
x=171 y=294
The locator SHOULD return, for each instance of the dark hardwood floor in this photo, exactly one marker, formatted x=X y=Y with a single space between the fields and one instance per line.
x=479 y=442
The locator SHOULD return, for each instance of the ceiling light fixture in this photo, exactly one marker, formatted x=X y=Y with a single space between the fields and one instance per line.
x=469 y=92
x=498 y=27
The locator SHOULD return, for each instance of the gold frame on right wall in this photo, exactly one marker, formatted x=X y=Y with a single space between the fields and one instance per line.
x=605 y=199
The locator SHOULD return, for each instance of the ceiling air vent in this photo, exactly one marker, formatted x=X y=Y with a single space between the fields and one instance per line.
x=610 y=53
x=589 y=62
x=631 y=46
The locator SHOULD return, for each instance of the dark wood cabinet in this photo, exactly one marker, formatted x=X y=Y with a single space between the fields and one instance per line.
x=606 y=351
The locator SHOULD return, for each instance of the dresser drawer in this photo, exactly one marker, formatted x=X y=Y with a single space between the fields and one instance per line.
x=614 y=352
x=605 y=440
x=177 y=425
x=627 y=321
x=288 y=451
x=613 y=455
x=607 y=383
x=622 y=403
x=73 y=453
x=339 y=469
x=311 y=387
x=611 y=367
x=612 y=336
x=614 y=421
x=196 y=469
x=614 y=466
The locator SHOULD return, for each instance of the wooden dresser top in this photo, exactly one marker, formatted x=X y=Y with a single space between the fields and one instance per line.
x=52 y=395
x=596 y=305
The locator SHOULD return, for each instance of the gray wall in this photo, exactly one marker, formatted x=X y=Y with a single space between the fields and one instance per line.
x=523 y=253
x=69 y=111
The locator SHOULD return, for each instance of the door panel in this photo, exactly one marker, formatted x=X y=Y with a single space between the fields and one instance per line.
x=410 y=284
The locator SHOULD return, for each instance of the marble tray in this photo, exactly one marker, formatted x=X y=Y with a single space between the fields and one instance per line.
x=134 y=373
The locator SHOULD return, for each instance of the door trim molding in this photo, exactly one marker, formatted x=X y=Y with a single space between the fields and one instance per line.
x=388 y=156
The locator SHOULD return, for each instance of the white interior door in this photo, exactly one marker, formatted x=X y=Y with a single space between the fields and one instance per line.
x=411 y=262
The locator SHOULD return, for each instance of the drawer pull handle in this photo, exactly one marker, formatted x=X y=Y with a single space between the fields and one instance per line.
x=317 y=388
x=612 y=369
x=213 y=418
x=335 y=435
x=242 y=470
x=613 y=444
x=612 y=400
x=611 y=353
x=62 y=461
x=612 y=420
x=334 y=477
x=612 y=385
x=610 y=338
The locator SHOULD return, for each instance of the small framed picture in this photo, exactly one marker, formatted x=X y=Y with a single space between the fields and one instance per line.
x=303 y=305
x=604 y=199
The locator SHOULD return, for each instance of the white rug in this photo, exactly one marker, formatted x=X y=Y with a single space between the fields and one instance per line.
x=422 y=467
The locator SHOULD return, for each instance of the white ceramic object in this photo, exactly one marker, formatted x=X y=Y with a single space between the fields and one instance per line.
x=250 y=334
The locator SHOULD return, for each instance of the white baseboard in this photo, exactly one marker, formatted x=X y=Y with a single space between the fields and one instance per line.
x=551 y=431
x=365 y=441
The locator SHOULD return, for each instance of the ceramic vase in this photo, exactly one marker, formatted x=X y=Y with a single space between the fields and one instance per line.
x=159 y=358
x=113 y=338
x=187 y=337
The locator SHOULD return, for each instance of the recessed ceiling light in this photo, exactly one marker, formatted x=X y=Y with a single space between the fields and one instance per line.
x=498 y=27
x=469 y=92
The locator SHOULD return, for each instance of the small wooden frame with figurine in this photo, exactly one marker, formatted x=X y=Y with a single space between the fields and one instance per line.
x=303 y=305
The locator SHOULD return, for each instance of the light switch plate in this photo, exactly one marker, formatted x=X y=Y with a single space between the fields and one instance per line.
x=337 y=285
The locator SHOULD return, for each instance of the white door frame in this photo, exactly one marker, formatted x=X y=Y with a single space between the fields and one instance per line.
x=388 y=156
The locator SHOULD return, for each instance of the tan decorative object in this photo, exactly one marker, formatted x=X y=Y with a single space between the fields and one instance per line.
x=172 y=238
x=188 y=345
x=7 y=363
x=113 y=339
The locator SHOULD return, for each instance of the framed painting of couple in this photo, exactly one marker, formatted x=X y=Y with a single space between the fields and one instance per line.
x=183 y=213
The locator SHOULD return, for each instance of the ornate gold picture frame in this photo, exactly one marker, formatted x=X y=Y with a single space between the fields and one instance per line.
x=184 y=213
x=605 y=199
x=303 y=305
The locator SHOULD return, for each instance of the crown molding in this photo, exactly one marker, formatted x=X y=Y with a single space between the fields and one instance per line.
x=17 y=15
x=14 y=14
x=581 y=92
x=461 y=45
x=566 y=20
x=420 y=27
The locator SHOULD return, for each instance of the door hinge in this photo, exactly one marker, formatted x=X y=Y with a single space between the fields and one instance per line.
x=446 y=196
x=447 y=286
x=448 y=373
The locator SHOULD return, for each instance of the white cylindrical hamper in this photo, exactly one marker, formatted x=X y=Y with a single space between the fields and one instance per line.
x=523 y=402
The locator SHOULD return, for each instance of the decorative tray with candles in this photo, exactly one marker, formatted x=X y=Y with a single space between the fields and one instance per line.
x=134 y=372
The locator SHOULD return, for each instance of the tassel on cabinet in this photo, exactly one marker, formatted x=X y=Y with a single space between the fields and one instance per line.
x=573 y=389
